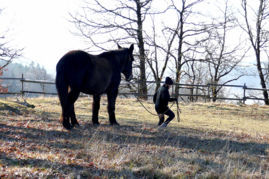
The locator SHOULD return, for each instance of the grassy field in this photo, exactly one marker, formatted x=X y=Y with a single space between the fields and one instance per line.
x=210 y=141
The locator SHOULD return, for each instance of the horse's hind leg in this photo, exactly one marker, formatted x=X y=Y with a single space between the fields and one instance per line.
x=72 y=97
x=95 y=109
x=64 y=119
x=111 y=98
x=74 y=121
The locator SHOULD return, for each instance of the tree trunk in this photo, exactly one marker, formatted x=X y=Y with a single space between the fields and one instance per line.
x=258 y=43
x=158 y=84
x=179 y=58
x=177 y=81
x=214 y=93
x=263 y=83
x=142 y=65
x=191 y=94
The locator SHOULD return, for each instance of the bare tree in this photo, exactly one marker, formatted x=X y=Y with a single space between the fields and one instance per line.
x=266 y=65
x=7 y=53
x=256 y=27
x=196 y=74
x=120 y=21
x=186 y=30
x=159 y=51
x=221 y=56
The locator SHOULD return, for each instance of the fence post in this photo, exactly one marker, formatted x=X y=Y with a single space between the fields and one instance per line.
x=138 y=89
x=244 y=93
x=208 y=92
x=196 y=98
x=173 y=87
x=43 y=89
x=22 y=86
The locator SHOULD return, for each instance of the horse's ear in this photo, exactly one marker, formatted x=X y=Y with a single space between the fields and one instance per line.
x=119 y=46
x=131 y=48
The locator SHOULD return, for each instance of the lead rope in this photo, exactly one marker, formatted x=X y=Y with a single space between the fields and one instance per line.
x=145 y=107
x=178 y=110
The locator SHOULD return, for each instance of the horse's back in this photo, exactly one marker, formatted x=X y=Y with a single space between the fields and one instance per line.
x=73 y=61
x=86 y=72
x=72 y=67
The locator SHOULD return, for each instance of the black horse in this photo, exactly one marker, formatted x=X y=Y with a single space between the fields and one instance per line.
x=78 y=71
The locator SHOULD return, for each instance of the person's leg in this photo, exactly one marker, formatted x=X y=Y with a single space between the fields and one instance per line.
x=160 y=115
x=161 y=119
x=170 y=115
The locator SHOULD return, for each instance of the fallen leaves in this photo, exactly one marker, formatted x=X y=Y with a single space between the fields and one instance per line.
x=91 y=164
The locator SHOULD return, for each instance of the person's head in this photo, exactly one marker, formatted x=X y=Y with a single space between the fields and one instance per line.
x=168 y=81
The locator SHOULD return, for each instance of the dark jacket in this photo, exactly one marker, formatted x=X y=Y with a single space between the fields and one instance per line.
x=161 y=99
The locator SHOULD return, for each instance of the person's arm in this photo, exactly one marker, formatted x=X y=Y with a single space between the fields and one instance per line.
x=167 y=97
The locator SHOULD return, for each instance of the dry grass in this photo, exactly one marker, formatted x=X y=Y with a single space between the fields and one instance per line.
x=211 y=141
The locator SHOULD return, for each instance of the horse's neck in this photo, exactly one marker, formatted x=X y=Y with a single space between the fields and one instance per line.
x=112 y=57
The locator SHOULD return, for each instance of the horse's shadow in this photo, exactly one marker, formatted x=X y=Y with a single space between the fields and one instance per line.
x=134 y=133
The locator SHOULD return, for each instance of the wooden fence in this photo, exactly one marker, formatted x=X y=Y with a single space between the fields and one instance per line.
x=205 y=90
x=23 y=91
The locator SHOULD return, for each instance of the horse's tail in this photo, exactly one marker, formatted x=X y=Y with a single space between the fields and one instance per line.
x=62 y=89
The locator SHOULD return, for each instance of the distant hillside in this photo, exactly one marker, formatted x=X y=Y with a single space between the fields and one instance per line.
x=32 y=71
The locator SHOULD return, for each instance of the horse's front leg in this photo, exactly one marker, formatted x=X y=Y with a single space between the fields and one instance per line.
x=111 y=98
x=95 y=109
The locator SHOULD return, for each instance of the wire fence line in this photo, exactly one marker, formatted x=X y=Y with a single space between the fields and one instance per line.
x=191 y=92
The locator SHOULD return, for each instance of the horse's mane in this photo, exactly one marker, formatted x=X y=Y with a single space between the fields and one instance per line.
x=112 y=53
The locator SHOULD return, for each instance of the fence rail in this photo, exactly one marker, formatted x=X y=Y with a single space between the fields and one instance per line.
x=206 y=87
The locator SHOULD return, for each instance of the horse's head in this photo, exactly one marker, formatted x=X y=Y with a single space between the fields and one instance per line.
x=127 y=62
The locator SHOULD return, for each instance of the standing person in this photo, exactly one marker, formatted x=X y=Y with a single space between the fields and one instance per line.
x=161 y=99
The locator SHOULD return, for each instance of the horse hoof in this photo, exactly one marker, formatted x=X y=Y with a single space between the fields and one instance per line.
x=75 y=124
x=96 y=123
x=114 y=124
x=67 y=126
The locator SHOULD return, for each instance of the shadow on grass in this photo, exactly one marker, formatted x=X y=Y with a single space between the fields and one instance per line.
x=192 y=139
x=50 y=138
x=75 y=170
x=181 y=138
x=135 y=133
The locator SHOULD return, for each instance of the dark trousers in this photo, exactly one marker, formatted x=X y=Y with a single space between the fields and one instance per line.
x=167 y=112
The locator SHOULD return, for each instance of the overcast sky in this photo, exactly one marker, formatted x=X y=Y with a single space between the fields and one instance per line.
x=41 y=28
